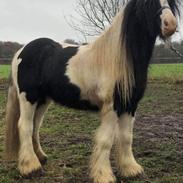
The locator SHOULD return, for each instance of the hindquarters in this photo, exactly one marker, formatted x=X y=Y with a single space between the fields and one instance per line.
x=23 y=120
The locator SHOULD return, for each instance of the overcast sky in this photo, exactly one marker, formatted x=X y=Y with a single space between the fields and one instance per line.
x=25 y=20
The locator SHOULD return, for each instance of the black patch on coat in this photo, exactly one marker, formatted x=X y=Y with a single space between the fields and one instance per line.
x=41 y=74
x=175 y=6
x=139 y=30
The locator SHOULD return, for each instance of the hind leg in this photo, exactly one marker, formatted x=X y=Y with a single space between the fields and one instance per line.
x=125 y=159
x=28 y=162
x=38 y=119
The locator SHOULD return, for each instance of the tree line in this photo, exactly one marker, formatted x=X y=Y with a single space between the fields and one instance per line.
x=94 y=17
x=7 y=51
x=162 y=54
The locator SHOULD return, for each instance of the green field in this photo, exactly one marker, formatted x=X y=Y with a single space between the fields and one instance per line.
x=67 y=134
x=4 y=71
x=168 y=72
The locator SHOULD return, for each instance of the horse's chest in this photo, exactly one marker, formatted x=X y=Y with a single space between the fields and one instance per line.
x=130 y=107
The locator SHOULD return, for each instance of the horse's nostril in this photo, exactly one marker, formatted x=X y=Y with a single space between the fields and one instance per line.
x=166 y=23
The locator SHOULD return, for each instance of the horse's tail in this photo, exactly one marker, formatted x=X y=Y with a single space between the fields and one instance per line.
x=12 y=117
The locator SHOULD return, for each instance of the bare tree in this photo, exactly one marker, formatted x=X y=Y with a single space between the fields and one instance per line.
x=94 y=15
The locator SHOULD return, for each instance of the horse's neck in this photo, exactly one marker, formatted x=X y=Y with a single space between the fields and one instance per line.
x=106 y=50
x=109 y=39
x=111 y=58
x=104 y=60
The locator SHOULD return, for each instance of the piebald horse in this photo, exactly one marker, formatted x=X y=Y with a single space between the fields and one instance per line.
x=108 y=75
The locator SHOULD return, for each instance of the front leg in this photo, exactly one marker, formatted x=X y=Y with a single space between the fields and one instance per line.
x=100 y=167
x=126 y=162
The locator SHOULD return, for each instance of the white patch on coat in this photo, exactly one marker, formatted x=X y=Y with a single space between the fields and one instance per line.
x=163 y=2
x=16 y=61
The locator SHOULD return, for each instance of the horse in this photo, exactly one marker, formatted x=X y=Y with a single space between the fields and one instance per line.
x=108 y=75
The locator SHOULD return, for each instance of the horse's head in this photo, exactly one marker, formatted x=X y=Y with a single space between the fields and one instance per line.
x=157 y=16
x=143 y=21
x=167 y=16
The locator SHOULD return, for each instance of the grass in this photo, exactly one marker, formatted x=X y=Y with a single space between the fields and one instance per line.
x=168 y=72
x=4 y=71
x=66 y=136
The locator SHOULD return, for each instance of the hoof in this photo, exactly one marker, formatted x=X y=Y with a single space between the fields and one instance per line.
x=43 y=160
x=132 y=170
x=36 y=173
x=30 y=168
x=42 y=157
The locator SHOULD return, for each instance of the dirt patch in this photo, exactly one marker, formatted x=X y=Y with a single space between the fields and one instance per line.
x=160 y=128
x=66 y=137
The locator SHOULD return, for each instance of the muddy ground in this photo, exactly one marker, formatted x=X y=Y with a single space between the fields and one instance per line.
x=66 y=137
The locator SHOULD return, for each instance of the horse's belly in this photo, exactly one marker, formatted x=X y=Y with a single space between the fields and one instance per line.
x=70 y=95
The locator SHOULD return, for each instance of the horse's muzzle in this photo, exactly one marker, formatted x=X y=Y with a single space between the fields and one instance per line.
x=169 y=23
